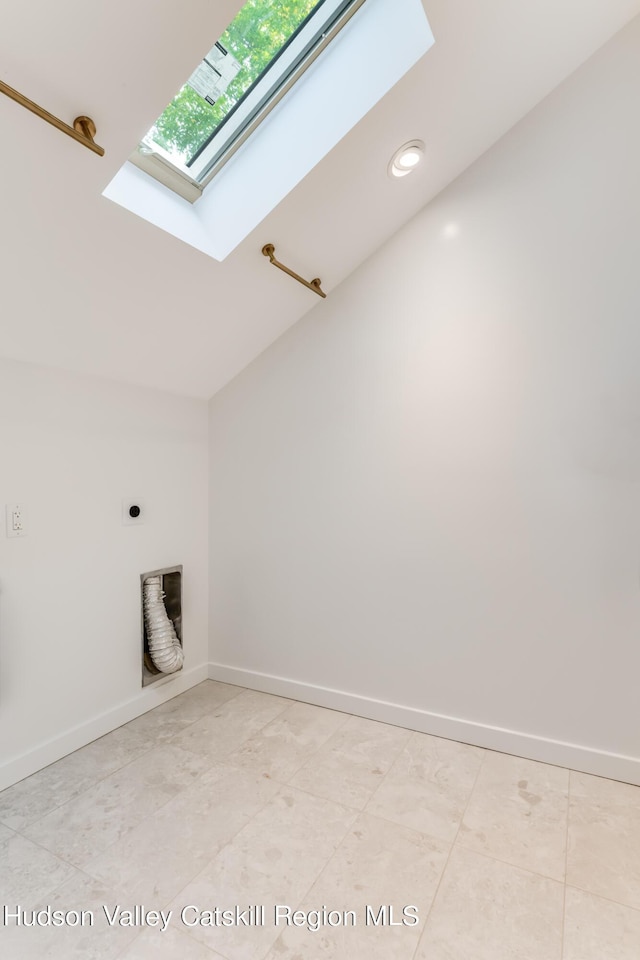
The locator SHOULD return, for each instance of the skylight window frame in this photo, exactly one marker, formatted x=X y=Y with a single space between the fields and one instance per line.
x=315 y=33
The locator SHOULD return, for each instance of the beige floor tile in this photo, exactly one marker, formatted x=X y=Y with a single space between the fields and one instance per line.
x=170 y=945
x=82 y=828
x=280 y=748
x=203 y=698
x=518 y=813
x=273 y=860
x=160 y=856
x=29 y=943
x=226 y=728
x=487 y=910
x=5 y=833
x=428 y=787
x=54 y=785
x=349 y=768
x=27 y=872
x=597 y=929
x=176 y=715
x=95 y=940
x=379 y=864
x=604 y=838
x=188 y=805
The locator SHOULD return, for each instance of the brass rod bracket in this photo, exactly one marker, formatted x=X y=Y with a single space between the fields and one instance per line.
x=269 y=251
x=86 y=127
x=83 y=129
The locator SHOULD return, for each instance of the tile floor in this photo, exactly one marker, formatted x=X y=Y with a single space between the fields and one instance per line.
x=225 y=797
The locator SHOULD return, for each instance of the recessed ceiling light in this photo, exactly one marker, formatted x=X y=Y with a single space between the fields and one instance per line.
x=406 y=158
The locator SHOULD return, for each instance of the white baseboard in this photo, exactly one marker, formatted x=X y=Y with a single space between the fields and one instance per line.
x=17 y=768
x=570 y=755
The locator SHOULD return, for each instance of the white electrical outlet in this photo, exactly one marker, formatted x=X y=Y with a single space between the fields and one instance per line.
x=16 y=520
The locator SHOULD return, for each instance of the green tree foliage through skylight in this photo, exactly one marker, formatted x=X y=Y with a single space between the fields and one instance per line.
x=254 y=37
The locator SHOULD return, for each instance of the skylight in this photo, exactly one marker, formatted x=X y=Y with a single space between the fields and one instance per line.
x=307 y=117
x=257 y=59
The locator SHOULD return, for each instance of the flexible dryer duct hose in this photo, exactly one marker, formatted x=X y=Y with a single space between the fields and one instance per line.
x=164 y=647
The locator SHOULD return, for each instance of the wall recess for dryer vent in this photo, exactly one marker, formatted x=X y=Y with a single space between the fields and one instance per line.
x=161 y=618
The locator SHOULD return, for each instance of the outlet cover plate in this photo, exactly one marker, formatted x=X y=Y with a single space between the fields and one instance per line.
x=16 y=520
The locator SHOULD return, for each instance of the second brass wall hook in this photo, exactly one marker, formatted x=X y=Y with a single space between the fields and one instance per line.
x=269 y=251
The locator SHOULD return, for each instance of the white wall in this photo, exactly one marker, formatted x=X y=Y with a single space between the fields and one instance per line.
x=425 y=497
x=70 y=449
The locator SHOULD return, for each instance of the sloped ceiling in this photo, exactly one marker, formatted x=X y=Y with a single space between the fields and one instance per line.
x=87 y=286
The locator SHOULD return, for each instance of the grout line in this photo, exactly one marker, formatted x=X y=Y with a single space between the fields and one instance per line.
x=320 y=796
x=451 y=849
x=566 y=867
x=403 y=826
x=127 y=946
x=310 y=756
x=323 y=869
x=214 y=953
x=403 y=748
x=68 y=863
x=508 y=863
x=316 y=796
x=599 y=896
x=181 y=932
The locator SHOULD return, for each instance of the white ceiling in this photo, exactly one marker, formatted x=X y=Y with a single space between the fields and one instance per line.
x=89 y=287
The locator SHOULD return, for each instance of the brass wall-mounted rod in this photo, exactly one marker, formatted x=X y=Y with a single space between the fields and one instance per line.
x=269 y=251
x=83 y=129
